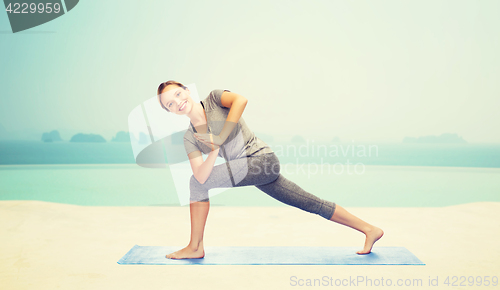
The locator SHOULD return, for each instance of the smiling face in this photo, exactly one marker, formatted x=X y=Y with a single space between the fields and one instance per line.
x=176 y=99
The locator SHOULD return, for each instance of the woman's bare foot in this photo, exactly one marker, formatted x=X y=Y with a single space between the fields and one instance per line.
x=372 y=235
x=187 y=253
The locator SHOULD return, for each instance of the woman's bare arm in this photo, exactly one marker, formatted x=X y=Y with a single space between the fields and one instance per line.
x=202 y=169
x=236 y=104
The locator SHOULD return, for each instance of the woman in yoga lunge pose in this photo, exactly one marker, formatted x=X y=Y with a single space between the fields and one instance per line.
x=215 y=124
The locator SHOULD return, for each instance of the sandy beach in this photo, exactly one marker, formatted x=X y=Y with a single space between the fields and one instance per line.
x=59 y=246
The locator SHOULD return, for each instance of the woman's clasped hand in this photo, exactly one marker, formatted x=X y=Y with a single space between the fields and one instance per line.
x=211 y=140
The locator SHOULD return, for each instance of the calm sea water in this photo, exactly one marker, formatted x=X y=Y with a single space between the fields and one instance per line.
x=396 y=175
x=131 y=185
x=455 y=155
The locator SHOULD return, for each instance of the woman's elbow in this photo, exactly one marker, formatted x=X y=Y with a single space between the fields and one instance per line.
x=202 y=181
x=199 y=178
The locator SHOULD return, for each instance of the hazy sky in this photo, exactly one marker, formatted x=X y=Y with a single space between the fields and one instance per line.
x=360 y=70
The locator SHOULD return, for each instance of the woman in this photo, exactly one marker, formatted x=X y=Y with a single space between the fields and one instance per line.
x=216 y=122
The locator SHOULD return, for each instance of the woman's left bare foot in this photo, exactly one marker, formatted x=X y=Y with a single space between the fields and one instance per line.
x=372 y=236
x=187 y=253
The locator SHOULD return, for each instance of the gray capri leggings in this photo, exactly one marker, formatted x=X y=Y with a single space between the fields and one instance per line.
x=263 y=171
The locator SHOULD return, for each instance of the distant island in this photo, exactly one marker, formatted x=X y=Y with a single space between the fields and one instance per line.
x=55 y=136
x=87 y=138
x=143 y=138
x=443 y=138
x=51 y=136
x=121 y=136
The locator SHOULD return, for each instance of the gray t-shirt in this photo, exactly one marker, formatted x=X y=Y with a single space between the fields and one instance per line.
x=241 y=143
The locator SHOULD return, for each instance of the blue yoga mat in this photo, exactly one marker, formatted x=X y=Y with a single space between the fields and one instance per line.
x=150 y=255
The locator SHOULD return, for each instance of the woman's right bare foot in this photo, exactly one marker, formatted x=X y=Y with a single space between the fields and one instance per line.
x=187 y=253
x=372 y=236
